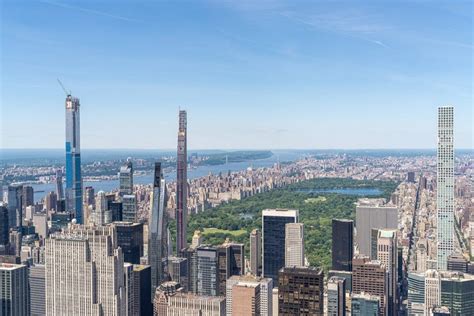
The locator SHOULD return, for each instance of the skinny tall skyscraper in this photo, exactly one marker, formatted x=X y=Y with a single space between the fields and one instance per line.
x=181 y=183
x=445 y=185
x=73 y=159
x=157 y=245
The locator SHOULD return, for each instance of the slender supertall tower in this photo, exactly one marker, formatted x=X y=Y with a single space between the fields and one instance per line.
x=59 y=184
x=157 y=230
x=73 y=159
x=181 y=183
x=445 y=185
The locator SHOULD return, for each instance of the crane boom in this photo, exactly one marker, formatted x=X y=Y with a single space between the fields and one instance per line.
x=64 y=89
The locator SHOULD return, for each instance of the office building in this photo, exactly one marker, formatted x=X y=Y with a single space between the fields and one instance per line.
x=179 y=303
x=432 y=290
x=457 y=262
x=157 y=230
x=207 y=272
x=246 y=299
x=181 y=183
x=73 y=159
x=178 y=271
x=84 y=272
x=445 y=186
x=300 y=291
x=101 y=215
x=336 y=296
x=387 y=254
x=347 y=275
x=141 y=285
x=14 y=290
x=457 y=293
x=273 y=249
x=60 y=220
x=190 y=254
x=371 y=277
x=364 y=304
x=37 y=290
x=266 y=295
x=89 y=196
x=14 y=205
x=4 y=225
x=130 y=239
x=342 y=244
x=230 y=261
x=411 y=177
x=294 y=245
x=115 y=209
x=51 y=201
x=129 y=208
x=256 y=252
x=40 y=222
x=416 y=294
x=59 y=185
x=126 y=178
x=370 y=216
x=27 y=196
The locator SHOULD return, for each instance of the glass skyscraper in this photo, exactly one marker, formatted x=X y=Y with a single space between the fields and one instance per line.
x=273 y=249
x=73 y=159
x=342 y=244
x=445 y=185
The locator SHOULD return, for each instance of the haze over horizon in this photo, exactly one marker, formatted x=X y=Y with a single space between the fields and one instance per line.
x=252 y=75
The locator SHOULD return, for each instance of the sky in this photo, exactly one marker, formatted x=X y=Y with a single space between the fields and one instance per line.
x=251 y=74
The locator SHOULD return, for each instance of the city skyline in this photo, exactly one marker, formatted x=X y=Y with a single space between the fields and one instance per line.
x=272 y=75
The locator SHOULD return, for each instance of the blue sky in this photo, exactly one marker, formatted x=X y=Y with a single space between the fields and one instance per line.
x=252 y=74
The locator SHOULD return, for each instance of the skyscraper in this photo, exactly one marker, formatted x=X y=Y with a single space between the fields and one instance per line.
x=365 y=304
x=37 y=290
x=246 y=299
x=373 y=215
x=129 y=208
x=14 y=205
x=73 y=159
x=181 y=183
x=27 y=196
x=445 y=185
x=59 y=184
x=126 y=178
x=130 y=239
x=387 y=254
x=256 y=252
x=157 y=244
x=207 y=274
x=230 y=261
x=266 y=289
x=294 y=245
x=4 y=225
x=84 y=272
x=336 y=296
x=370 y=277
x=457 y=292
x=14 y=290
x=342 y=244
x=273 y=227
x=301 y=291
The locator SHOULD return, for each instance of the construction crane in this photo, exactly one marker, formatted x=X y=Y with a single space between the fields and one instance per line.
x=64 y=89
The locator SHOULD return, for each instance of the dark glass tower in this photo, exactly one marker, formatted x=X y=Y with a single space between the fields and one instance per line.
x=342 y=244
x=157 y=245
x=273 y=228
x=301 y=291
x=181 y=183
x=73 y=159
x=130 y=239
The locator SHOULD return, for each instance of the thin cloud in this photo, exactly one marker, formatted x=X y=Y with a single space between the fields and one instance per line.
x=89 y=11
x=351 y=24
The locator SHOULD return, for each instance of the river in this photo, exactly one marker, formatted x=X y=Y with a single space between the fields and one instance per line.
x=108 y=185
